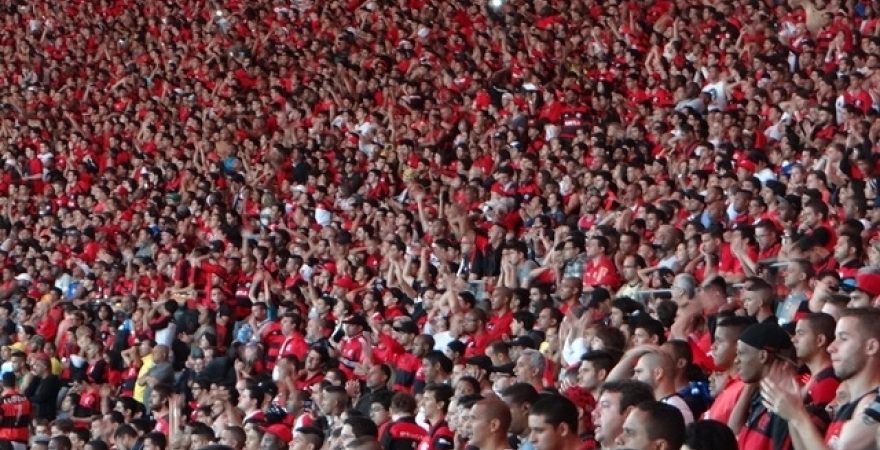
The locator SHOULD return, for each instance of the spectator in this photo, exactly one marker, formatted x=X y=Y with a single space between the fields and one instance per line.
x=490 y=421
x=402 y=432
x=616 y=399
x=811 y=338
x=709 y=434
x=727 y=385
x=553 y=424
x=43 y=391
x=16 y=414
x=435 y=405
x=760 y=348
x=652 y=424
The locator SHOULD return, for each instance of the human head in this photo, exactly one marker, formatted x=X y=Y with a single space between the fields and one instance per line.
x=727 y=332
x=652 y=425
x=490 y=420
x=709 y=435
x=435 y=399
x=812 y=335
x=155 y=440
x=654 y=369
x=60 y=443
x=553 y=422
x=529 y=366
x=595 y=366
x=856 y=343
x=519 y=397
x=616 y=398
x=759 y=346
x=308 y=438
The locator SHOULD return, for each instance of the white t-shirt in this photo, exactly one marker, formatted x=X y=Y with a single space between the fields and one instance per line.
x=678 y=402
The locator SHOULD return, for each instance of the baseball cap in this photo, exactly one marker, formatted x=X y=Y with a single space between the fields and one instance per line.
x=406 y=326
x=523 y=341
x=480 y=361
x=767 y=336
x=281 y=431
x=868 y=283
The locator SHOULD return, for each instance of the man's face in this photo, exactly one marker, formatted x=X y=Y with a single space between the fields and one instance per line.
x=644 y=372
x=748 y=362
x=480 y=430
x=723 y=350
x=593 y=248
x=635 y=433
x=470 y=323
x=805 y=341
x=607 y=418
x=522 y=369
x=847 y=350
x=751 y=302
x=429 y=405
x=375 y=377
x=641 y=337
x=545 y=436
x=588 y=376
x=545 y=319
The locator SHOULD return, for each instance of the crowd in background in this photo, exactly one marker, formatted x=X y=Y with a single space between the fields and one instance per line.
x=424 y=224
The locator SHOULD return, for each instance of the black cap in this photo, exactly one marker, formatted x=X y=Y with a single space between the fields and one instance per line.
x=767 y=336
x=597 y=296
x=506 y=369
x=480 y=361
x=356 y=319
x=406 y=326
x=523 y=341
x=693 y=194
x=456 y=346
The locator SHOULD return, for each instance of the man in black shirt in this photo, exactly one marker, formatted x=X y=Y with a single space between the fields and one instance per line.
x=43 y=391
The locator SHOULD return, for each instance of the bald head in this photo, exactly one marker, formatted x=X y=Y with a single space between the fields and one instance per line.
x=655 y=367
x=494 y=409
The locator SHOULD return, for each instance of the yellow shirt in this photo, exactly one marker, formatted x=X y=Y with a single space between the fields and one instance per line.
x=145 y=367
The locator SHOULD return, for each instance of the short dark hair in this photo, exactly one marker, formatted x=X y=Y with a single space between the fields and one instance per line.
x=158 y=438
x=362 y=426
x=664 y=422
x=125 y=430
x=632 y=392
x=314 y=434
x=822 y=324
x=526 y=318
x=442 y=392
x=600 y=360
x=62 y=442
x=520 y=394
x=556 y=410
x=650 y=325
x=201 y=429
x=710 y=435
x=404 y=403
x=438 y=357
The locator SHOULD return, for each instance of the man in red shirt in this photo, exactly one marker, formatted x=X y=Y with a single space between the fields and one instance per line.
x=812 y=336
x=599 y=270
x=355 y=349
x=501 y=316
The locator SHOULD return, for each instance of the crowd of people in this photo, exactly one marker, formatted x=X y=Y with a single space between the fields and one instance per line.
x=436 y=225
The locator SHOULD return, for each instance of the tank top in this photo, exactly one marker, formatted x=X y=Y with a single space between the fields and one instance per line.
x=842 y=416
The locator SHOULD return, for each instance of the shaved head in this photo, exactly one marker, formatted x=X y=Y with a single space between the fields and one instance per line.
x=496 y=409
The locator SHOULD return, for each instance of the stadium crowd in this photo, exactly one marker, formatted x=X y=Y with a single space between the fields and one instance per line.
x=425 y=224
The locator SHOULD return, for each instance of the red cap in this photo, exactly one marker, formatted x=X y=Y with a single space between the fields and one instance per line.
x=869 y=283
x=281 y=431
x=748 y=165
